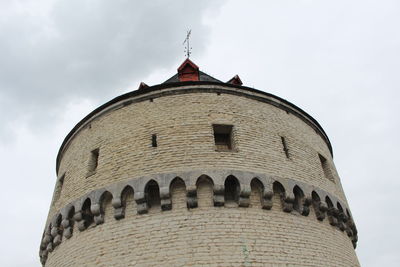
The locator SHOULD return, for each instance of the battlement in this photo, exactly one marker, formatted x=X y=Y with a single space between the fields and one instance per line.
x=230 y=188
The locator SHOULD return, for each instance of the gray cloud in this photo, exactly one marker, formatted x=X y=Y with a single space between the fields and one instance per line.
x=60 y=50
x=339 y=61
x=58 y=60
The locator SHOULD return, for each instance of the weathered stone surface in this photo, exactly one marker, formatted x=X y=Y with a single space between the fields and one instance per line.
x=192 y=224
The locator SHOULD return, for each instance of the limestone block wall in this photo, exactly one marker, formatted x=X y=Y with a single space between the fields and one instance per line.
x=129 y=211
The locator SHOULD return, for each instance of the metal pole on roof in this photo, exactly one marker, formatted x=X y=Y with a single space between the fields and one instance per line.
x=187 y=48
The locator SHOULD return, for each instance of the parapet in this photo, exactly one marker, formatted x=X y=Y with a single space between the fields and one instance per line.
x=229 y=187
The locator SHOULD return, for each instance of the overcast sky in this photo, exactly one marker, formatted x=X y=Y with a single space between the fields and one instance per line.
x=337 y=60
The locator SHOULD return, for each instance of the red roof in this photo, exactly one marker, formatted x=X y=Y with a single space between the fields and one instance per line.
x=188 y=71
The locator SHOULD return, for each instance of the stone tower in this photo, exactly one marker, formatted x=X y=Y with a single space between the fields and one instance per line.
x=198 y=172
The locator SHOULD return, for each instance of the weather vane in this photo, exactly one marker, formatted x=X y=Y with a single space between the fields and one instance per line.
x=188 y=49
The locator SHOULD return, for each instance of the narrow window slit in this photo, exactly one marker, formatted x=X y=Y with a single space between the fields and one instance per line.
x=154 y=140
x=285 y=148
x=93 y=161
x=325 y=167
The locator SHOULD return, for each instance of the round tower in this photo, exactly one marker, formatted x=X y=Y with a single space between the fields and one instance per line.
x=198 y=172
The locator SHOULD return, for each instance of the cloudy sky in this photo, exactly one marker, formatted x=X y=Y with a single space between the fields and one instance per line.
x=337 y=60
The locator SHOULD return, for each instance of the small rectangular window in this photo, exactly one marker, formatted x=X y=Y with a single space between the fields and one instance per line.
x=326 y=168
x=223 y=136
x=93 y=161
x=154 y=140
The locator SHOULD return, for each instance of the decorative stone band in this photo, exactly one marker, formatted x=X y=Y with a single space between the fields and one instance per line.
x=295 y=196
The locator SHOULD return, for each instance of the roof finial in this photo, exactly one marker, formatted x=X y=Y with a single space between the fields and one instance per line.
x=188 y=49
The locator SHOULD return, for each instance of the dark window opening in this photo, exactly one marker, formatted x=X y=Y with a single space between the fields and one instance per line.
x=340 y=207
x=87 y=215
x=348 y=213
x=279 y=190
x=153 y=194
x=285 y=148
x=298 y=199
x=70 y=217
x=315 y=197
x=329 y=202
x=325 y=167
x=93 y=161
x=232 y=190
x=316 y=202
x=223 y=137
x=60 y=228
x=154 y=140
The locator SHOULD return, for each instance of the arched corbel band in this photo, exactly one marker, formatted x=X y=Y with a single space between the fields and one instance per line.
x=228 y=186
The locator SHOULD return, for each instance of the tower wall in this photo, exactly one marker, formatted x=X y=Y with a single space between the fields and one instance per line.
x=288 y=208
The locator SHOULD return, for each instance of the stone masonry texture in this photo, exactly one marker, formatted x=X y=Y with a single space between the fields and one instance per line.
x=192 y=224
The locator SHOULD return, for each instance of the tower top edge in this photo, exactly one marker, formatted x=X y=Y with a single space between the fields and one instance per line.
x=199 y=86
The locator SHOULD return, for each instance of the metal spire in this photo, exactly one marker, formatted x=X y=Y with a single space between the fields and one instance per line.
x=188 y=49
